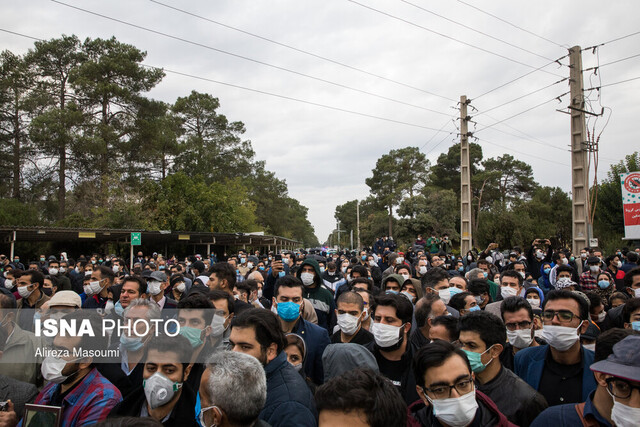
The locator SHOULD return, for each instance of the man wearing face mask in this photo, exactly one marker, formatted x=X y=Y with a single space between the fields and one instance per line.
x=448 y=396
x=482 y=338
x=350 y=313
x=517 y=315
x=156 y=284
x=287 y=303
x=589 y=279
x=536 y=256
x=194 y=314
x=86 y=397
x=96 y=290
x=314 y=291
x=64 y=284
x=257 y=332
x=221 y=320
x=511 y=285
x=560 y=370
x=165 y=394
x=391 y=348
x=29 y=285
x=597 y=410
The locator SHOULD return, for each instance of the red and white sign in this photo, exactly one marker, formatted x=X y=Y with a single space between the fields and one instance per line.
x=631 y=204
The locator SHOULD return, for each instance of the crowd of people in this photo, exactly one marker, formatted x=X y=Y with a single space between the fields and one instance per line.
x=376 y=337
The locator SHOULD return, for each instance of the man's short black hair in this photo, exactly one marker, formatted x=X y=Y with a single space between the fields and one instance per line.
x=265 y=324
x=562 y=268
x=244 y=287
x=606 y=340
x=218 y=294
x=512 y=273
x=142 y=284
x=224 y=271
x=34 y=276
x=365 y=391
x=628 y=277
x=404 y=309
x=106 y=273
x=488 y=326
x=178 y=345
x=433 y=355
x=351 y=297
x=632 y=257
x=364 y=280
x=478 y=287
x=88 y=342
x=434 y=276
x=288 y=281
x=450 y=323
x=630 y=306
x=595 y=300
x=513 y=304
x=360 y=269
x=198 y=300
x=457 y=301
x=558 y=294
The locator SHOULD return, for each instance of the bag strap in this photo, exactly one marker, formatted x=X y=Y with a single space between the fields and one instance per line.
x=585 y=422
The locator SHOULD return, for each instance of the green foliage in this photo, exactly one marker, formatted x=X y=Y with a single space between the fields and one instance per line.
x=445 y=173
x=15 y=212
x=433 y=210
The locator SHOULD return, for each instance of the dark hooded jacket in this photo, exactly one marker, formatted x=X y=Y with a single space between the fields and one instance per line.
x=487 y=414
x=320 y=297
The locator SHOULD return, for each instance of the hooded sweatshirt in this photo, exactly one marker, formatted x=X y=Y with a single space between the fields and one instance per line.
x=319 y=296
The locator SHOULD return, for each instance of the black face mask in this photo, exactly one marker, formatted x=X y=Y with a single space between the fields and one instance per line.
x=47 y=291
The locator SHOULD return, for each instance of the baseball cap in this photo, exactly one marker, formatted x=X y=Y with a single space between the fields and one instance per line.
x=159 y=276
x=624 y=362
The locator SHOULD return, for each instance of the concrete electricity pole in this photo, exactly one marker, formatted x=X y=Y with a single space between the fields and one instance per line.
x=582 y=228
x=358 y=222
x=466 y=238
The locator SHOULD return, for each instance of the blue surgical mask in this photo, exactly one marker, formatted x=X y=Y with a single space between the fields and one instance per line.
x=475 y=360
x=281 y=274
x=460 y=269
x=194 y=335
x=635 y=325
x=118 y=308
x=547 y=270
x=485 y=274
x=604 y=284
x=474 y=308
x=364 y=257
x=288 y=311
x=261 y=268
x=131 y=343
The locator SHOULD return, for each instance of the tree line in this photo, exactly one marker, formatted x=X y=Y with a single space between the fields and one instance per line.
x=409 y=196
x=83 y=146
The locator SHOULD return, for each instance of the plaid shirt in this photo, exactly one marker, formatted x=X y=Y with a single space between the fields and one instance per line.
x=88 y=403
x=588 y=282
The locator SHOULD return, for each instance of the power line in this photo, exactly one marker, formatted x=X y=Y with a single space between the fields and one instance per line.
x=235 y=55
x=522 y=112
x=521 y=77
x=21 y=35
x=613 y=84
x=510 y=149
x=434 y=135
x=300 y=50
x=520 y=97
x=612 y=62
x=451 y=38
x=611 y=41
x=267 y=93
x=344 y=110
x=510 y=23
x=474 y=30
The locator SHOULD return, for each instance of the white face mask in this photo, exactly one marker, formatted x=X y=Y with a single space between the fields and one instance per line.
x=159 y=389
x=386 y=335
x=93 y=288
x=53 y=271
x=331 y=273
x=623 y=415
x=344 y=269
x=535 y=303
x=405 y=277
x=508 y=291
x=63 y=270
x=181 y=287
x=520 y=338
x=217 y=326
x=249 y=265
x=560 y=337
x=455 y=411
x=521 y=273
x=116 y=268
x=372 y=263
x=307 y=278
x=348 y=324
x=24 y=291
x=153 y=287
x=399 y=260
x=259 y=293
x=87 y=273
x=594 y=268
x=445 y=295
x=637 y=292
x=423 y=269
x=52 y=368
x=108 y=307
x=601 y=317
x=619 y=264
x=8 y=283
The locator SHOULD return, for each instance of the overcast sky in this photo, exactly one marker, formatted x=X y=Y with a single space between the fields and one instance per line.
x=393 y=52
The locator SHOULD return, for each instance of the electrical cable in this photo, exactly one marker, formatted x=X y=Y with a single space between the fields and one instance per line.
x=612 y=62
x=610 y=41
x=434 y=135
x=300 y=50
x=520 y=97
x=510 y=149
x=613 y=84
x=518 y=78
x=522 y=112
x=21 y=35
x=450 y=38
x=235 y=55
x=473 y=29
x=509 y=23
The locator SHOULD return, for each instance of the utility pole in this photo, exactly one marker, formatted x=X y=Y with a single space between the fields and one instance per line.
x=466 y=238
x=582 y=227
x=358 y=222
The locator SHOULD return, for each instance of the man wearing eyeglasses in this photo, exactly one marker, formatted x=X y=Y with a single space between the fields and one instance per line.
x=613 y=386
x=517 y=315
x=444 y=382
x=560 y=369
